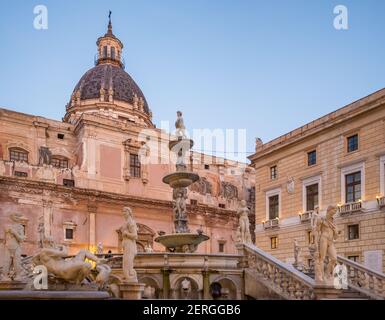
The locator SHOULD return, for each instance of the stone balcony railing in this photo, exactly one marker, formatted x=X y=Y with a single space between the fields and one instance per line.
x=362 y=279
x=381 y=202
x=282 y=279
x=46 y=173
x=351 y=207
x=306 y=216
x=272 y=223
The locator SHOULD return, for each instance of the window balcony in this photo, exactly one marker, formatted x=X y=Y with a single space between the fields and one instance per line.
x=306 y=216
x=272 y=223
x=351 y=207
x=381 y=202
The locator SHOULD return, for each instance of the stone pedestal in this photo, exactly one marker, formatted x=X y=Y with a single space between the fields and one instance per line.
x=326 y=292
x=12 y=285
x=131 y=290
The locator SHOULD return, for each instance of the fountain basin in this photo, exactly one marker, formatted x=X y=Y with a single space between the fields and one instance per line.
x=182 y=242
x=180 y=179
x=184 y=144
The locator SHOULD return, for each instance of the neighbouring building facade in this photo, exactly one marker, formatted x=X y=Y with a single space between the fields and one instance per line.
x=70 y=179
x=339 y=160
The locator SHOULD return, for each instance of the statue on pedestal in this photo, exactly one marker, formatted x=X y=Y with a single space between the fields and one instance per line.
x=179 y=125
x=297 y=251
x=185 y=288
x=244 y=224
x=41 y=231
x=180 y=211
x=13 y=237
x=129 y=233
x=45 y=155
x=99 y=249
x=325 y=233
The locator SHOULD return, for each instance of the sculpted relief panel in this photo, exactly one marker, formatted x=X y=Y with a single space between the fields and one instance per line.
x=228 y=190
x=202 y=186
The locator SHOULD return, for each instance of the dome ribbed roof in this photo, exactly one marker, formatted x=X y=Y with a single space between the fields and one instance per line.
x=109 y=76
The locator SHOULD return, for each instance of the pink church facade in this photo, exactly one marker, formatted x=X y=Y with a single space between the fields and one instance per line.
x=75 y=176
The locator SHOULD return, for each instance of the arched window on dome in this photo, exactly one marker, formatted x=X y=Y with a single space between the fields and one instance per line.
x=59 y=162
x=18 y=154
x=113 y=53
x=105 y=52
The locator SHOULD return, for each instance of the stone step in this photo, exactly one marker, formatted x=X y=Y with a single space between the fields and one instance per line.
x=352 y=294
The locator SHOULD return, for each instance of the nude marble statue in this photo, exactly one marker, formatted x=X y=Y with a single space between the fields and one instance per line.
x=297 y=252
x=129 y=233
x=325 y=232
x=57 y=261
x=179 y=125
x=13 y=237
x=244 y=224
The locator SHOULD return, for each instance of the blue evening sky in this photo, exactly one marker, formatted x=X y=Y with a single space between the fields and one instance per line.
x=266 y=66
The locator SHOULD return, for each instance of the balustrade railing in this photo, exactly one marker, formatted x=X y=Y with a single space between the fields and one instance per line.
x=273 y=223
x=364 y=280
x=306 y=216
x=350 y=207
x=279 y=277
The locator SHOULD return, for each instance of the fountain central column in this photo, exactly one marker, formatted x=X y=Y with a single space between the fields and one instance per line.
x=182 y=240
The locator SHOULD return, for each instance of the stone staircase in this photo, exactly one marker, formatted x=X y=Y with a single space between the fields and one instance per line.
x=266 y=277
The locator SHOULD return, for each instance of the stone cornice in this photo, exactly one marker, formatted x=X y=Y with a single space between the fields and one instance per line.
x=40 y=187
x=108 y=124
x=58 y=191
x=332 y=119
x=27 y=119
x=94 y=105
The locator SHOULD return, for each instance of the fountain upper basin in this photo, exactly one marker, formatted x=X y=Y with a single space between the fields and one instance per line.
x=176 y=145
x=180 y=179
x=182 y=242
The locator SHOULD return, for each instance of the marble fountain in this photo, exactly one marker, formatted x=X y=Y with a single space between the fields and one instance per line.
x=181 y=240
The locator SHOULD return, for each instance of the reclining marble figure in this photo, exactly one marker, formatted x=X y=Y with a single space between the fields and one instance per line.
x=70 y=269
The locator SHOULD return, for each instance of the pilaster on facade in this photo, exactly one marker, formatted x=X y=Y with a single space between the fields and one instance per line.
x=92 y=207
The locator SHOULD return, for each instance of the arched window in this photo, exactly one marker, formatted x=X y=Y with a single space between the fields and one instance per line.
x=18 y=154
x=105 y=52
x=112 y=52
x=59 y=162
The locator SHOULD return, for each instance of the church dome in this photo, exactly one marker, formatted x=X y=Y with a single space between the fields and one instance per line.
x=106 y=76
x=107 y=90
